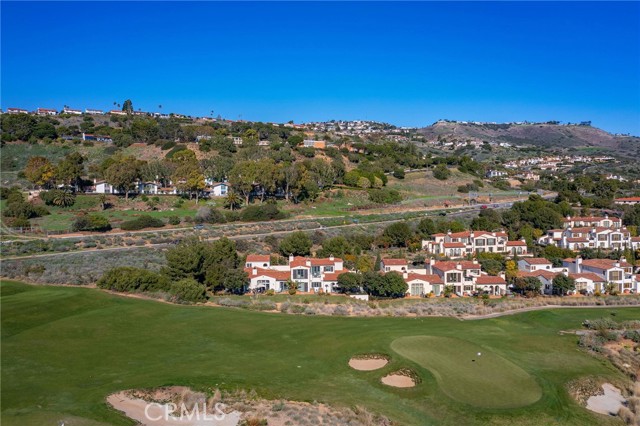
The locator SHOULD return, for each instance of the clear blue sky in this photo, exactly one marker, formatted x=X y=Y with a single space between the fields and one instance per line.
x=404 y=63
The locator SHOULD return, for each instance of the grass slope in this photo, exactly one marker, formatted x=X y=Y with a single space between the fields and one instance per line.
x=488 y=381
x=64 y=349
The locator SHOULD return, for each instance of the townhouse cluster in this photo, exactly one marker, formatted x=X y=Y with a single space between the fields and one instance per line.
x=578 y=233
x=590 y=275
x=470 y=243
x=313 y=275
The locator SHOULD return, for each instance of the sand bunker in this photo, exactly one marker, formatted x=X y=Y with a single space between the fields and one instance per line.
x=609 y=403
x=368 y=364
x=157 y=414
x=398 y=381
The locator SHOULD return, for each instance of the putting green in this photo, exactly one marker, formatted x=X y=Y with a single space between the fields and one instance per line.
x=489 y=382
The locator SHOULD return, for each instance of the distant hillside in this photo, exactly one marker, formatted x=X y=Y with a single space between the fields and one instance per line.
x=542 y=135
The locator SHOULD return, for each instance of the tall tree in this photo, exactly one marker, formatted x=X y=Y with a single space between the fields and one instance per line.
x=127 y=106
x=39 y=171
x=123 y=174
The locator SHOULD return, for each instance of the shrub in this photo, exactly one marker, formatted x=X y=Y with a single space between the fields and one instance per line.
x=144 y=221
x=385 y=196
x=91 y=222
x=209 y=215
x=128 y=279
x=174 y=220
x=441 y=172
x=188 y=290
x=261 y=213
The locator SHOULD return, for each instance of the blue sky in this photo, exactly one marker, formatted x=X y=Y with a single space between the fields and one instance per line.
x=404 y=63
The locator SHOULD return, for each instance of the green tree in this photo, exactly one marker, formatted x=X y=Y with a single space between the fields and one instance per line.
x=70 y=169
x=390 y=284
x=127 y=106
x=528 y=286
x=397 y=234
x=562 y=284
x=349 y=283
x=235 y=281
x=297 y=243
x=123 y=173
x=426 y=227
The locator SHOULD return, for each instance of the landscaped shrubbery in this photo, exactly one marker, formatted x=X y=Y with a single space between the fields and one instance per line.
x=144 y=221
x=18 y=207
x=58 y=197
x=91 y=222
x=128 y=279
x=188 y=290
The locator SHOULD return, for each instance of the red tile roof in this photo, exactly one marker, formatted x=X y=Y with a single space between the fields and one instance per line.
x=394 y=262
x=490 y=279
x=537 y=261
x=272 y=273
x=516 y=243
x=258 y=258
x=453 y=245
x=450 y=265
x=604 y=263
x=302 y=261
x=589 y=276
x=629 y=199
x=430 y=278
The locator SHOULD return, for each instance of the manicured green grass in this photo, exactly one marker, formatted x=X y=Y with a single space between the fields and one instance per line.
x=470 y=373
x=64 y=349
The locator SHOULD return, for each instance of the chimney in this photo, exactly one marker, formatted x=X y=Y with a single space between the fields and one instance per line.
x=459 y=266
x=308 y=262
x=578 y=264
x=405 y=275
x=291 y=258
x=449 y=232
x=254 y=271
x=331 y=258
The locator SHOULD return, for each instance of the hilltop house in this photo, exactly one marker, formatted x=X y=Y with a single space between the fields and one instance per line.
x=93 y=111
x=17 y=111
x=71 y=111
x=46 y=111
x=627 y=201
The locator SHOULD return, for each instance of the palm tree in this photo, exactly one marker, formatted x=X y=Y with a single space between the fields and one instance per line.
x=232 y=201
x=63 y=198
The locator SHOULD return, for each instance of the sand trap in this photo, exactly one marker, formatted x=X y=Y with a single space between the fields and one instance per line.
x=609 y=403
x=367 y=364
x=155 y=414
x=398 y=381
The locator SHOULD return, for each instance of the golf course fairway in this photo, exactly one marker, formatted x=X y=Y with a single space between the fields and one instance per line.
x=486 y=380
x=66 y=349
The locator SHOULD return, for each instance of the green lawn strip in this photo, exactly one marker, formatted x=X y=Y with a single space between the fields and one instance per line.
x=64 y=349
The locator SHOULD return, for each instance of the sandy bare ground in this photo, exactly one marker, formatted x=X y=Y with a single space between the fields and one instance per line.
x=157 y=414
x=368 y=364
x=398 y=381
x=148 y=408
x=609 y=403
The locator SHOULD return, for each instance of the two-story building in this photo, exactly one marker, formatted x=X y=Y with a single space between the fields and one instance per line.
x=310 y=274
x=461 y=244
x=617 y=272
